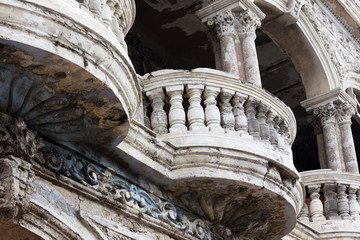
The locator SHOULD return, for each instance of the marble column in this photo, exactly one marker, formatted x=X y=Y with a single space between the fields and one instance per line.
x=320 y=142
x=344 y=114
x=248 y=23
x=326 y=114
x=225 y=27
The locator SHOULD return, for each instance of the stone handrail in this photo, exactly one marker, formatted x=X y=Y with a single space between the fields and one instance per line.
x=333 y=196
x=118 y=15
x=216 y=101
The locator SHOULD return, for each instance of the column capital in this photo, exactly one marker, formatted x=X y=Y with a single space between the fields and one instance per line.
x=345 y=111
x=225 y=24
x=248 y=22
x=326 y=113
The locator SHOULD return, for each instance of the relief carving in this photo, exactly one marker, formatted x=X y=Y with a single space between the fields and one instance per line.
x=340 y=45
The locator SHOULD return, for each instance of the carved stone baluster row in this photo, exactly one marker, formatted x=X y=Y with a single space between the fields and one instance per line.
x=221 y=110
x=341 y=201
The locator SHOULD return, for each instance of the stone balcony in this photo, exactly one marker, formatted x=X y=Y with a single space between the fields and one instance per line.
x=332 y=207
x=216 y=137
x=65 y=68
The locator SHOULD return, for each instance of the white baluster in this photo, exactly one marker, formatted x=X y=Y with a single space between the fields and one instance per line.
x=105 y=13
x=177 y=113
x=270 y=120
x=241 y=122
x=95 y=7
x=343 y=201
x=159 y=120
x=264 y=127
x=316 y=206
x=353 y=203
x=330 y=204
x=196 y=112
x=253 y=124
x=227 y=116
x=212 y=113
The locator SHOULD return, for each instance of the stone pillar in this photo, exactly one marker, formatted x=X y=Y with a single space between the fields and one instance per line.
x=343 y=201
x=326 y=114
x=344 y=114
x=196 y=112
x=320 y=142
x=214 y=41
x=330 y=204
x=353 y=203
x=227 y=116
x=212 y=113
x=224 y=23
x=159 y=122
x=316 y=206
x=176 y=113
x=248 y=23
x=241 y=123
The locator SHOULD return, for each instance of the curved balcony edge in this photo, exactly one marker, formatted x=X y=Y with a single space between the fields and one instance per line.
x=64 y=31
x=196 y=170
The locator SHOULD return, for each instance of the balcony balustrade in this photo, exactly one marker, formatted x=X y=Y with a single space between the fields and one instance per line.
x=332 y=206
x=227 y=138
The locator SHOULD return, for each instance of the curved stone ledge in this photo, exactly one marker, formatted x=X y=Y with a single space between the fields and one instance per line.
x=210 y=173
x=322 y=176
x=72 y=33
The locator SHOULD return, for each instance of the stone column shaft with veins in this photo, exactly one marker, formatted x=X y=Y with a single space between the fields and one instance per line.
x=225 y=28
x=248 y=22
x=326 y=114
x=344 y=113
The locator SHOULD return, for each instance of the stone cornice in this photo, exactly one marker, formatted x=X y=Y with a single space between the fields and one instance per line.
x=210 y=11
x=336 y=95
x=322 y=176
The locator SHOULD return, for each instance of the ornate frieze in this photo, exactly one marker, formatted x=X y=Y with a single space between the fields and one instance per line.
x=340 y=45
